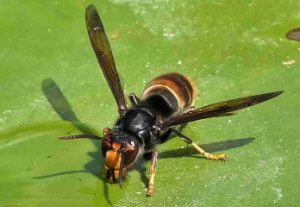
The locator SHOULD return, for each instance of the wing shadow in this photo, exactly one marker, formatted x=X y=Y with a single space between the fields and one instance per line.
x=191 y=152
x=211 y=147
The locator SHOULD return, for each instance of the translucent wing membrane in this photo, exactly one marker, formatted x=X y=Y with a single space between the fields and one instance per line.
x=104 y=55
x=218 y=109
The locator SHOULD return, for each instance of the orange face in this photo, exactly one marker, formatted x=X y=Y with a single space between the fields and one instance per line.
x=111 y=152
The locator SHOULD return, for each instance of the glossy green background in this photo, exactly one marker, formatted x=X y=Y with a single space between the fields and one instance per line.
x=49 y=76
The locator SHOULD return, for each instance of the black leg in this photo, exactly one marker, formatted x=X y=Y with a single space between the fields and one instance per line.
x=168 y=134
x=199 y=149
x=134 y=99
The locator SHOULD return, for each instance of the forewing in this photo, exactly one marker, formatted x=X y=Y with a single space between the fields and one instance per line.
x=218 y=109
x=104 y=55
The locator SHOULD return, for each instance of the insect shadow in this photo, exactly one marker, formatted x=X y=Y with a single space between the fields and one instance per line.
x=191 y=152
x=63 y=108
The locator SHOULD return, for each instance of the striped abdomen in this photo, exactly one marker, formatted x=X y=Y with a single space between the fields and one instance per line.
x=170 y=93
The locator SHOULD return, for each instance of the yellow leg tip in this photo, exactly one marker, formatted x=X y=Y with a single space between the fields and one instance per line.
x=150 y=191
x=222 y=157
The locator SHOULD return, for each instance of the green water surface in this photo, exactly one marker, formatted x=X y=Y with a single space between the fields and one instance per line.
x=49 y=77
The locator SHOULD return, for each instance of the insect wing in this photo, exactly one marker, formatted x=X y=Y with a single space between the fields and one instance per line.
x=104 y=55
x=223 y=108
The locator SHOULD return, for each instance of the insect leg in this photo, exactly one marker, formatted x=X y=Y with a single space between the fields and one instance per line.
x=134 y=99
x=169 y=135
x=192 y=108
x=199 y=149
x=150 y=190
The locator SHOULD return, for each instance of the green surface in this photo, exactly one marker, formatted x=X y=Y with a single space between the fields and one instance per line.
x=49 y=76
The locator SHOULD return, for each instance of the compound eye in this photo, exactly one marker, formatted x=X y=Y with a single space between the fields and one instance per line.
x=106 y=143
x=105 y=147
x=130 y=155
